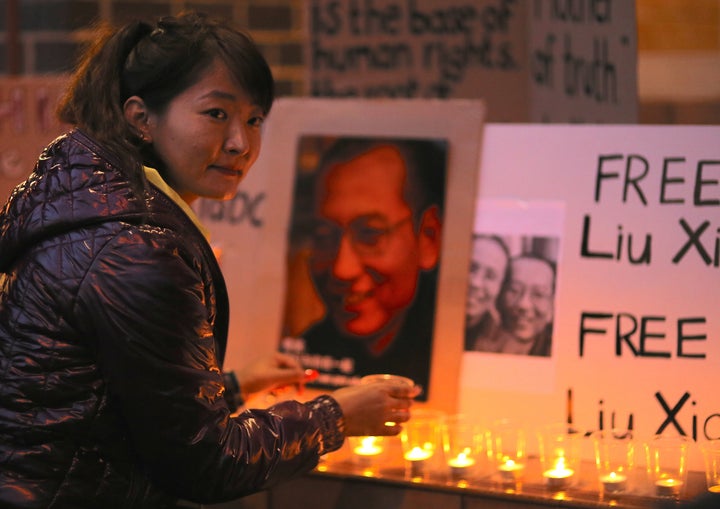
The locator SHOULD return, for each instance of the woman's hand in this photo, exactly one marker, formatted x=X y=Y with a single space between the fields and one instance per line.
x=375 y=409
x=269 y=373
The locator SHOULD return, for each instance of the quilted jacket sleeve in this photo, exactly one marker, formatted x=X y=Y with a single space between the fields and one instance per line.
x=144 y=301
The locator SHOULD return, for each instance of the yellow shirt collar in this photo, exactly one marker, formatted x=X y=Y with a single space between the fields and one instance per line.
x=154 y=178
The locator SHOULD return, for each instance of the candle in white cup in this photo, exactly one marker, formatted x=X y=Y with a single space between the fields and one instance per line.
x=511 y=471
x=667 y=457
x=668 y=487
x=460 y=465
x=367 y=450
x=417 y=458
x=559 y=477
x=613 y=482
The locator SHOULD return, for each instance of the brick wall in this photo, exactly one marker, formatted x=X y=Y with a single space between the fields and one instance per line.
x=678 y=25
x=48 y=34
x=679 y=61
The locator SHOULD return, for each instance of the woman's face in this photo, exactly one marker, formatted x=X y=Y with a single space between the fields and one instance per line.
x=487 y=271
x=208 y=136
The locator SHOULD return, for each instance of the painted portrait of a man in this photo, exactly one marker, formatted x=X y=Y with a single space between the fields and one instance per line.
x=365 y=245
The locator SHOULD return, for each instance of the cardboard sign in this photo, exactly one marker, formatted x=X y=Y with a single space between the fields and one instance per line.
x=532 y=61
x=420 y=49
x=582 y=64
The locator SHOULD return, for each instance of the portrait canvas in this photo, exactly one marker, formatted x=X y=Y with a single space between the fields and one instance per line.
x=364 y=243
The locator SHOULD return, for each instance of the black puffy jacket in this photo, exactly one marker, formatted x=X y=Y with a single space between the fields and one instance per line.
x=113 y=323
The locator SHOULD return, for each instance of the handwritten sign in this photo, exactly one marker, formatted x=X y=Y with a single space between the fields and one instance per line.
x=420 y=49
x=582 y=61
x=540 y=60
x=636 y=336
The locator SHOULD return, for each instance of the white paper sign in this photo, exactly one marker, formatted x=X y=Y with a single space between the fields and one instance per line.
x=636 y=334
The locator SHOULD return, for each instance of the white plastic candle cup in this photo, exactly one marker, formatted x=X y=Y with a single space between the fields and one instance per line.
x=463 y=445
x=667 y=464
x=615 y=459
x=387 y=378
x=711 y=455
x=507 y=448
x=421 y=438
x=559 y=456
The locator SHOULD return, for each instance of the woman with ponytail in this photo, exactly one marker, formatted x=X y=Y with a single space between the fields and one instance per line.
x=113 y=309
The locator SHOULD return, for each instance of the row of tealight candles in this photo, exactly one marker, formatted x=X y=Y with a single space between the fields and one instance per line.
x=467 y=452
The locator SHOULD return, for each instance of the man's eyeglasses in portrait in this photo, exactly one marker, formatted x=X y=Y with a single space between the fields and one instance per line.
x=369 y=236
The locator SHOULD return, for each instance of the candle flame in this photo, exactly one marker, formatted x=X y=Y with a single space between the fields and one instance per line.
x=461 y=460
x=559 y=470
x=417 y=453
x=368 y=447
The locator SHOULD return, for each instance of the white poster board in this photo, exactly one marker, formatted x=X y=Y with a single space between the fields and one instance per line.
x=532 y=61
x=637 y=330
x=252 y=229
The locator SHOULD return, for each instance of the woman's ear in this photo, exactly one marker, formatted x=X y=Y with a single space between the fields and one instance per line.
x=137 y=115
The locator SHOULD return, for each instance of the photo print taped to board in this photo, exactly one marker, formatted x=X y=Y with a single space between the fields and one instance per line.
x=510 y=304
